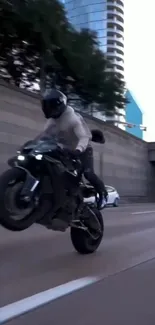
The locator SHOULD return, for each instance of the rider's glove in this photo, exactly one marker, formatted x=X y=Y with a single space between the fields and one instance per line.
x=76 y=154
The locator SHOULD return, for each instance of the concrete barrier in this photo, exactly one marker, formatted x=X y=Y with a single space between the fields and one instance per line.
x=122 y=161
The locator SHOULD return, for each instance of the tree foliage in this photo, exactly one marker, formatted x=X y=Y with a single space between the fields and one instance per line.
x=37 y=43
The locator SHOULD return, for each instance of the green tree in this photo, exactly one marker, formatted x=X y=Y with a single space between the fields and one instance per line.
x=38 y=43
x=87 y=65
x=113 y=98
x=29 y=32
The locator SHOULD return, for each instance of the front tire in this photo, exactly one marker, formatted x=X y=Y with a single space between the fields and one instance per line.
x=9 y=179
x=82 y=240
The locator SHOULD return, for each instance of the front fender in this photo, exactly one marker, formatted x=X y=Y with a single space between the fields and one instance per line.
x=12 y=162
x=30 y=185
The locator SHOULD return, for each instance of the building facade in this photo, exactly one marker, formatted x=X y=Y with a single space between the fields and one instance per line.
x=134 y=116
x=106 y=17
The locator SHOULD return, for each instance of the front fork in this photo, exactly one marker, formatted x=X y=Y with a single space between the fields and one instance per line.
x=29 y=187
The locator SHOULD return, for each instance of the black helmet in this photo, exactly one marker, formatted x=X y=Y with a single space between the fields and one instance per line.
x=54 y=103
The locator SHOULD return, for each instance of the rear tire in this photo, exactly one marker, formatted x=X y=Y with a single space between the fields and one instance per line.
x=116 y=203
x=13 y=176
x=81 y=239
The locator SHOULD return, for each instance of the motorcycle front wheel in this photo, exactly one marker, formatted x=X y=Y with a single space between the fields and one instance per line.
x=88 y=241
x=14 y=214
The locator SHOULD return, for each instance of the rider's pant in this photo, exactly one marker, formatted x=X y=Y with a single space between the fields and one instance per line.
x=88 y=170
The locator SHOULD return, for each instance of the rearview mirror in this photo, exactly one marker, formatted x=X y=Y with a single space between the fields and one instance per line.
x=97 y=136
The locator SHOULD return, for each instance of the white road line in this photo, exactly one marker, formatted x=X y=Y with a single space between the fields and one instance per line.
x=143 y=212
x=26 y=305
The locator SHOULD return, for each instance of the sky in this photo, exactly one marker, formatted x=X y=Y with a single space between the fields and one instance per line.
x=140 y=58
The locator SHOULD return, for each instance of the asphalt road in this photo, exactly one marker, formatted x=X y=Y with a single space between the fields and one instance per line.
x=38 y=259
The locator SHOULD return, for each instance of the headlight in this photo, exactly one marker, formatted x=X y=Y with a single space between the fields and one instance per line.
x=21 y=158
x=39 y=157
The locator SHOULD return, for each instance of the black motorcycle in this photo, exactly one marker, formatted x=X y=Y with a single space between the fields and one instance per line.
x=45 y=186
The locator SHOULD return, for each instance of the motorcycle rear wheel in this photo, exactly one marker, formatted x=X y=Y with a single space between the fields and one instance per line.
x=82 y=240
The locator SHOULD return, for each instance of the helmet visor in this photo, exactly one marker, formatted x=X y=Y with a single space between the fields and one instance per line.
x=50 y=108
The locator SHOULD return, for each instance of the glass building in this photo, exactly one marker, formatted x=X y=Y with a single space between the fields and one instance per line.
x=106 y=17
x=134 y=116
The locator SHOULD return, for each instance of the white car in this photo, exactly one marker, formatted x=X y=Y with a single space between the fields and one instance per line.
x=113 y=197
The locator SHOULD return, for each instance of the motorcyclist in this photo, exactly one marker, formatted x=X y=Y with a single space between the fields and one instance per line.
x=73 y=133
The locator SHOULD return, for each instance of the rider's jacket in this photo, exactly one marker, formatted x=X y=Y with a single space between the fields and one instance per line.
x=70 y=129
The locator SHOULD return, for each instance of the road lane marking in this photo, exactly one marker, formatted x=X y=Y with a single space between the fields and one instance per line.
x=26 y=305
x=143 y=212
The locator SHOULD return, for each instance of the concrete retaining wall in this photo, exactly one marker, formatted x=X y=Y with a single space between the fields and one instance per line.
x=122 y=161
